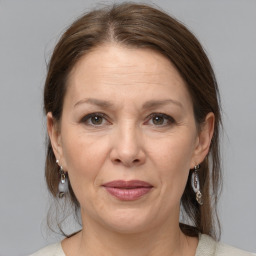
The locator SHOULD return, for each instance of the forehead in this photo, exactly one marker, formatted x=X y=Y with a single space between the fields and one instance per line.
x=112 y=70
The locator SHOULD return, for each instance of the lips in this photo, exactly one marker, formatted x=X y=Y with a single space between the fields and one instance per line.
x=128 y=190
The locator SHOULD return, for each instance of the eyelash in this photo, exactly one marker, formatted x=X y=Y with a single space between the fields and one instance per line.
x=86 y=118
x=168 y=119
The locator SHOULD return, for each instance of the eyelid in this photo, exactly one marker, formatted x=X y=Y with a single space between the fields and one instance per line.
x=170 y=119
x=87 y=117
x=84 y=119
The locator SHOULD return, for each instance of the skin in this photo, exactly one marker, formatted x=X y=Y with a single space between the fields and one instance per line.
x=128 y=143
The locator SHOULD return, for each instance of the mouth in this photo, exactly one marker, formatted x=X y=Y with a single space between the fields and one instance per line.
x=128 y=190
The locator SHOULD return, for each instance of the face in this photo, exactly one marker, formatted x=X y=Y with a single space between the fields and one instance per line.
x=127 y=138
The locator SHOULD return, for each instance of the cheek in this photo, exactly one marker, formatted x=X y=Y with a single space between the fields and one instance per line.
x=84 y=157
x=172 y=159
x=174 y=153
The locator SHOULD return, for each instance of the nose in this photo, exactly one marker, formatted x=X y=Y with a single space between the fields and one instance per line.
x=128 y=148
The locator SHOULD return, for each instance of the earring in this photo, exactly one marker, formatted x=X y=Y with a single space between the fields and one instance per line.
x=196 y=185
x=63 y=184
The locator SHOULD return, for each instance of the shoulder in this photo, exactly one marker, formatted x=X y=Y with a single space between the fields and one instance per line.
x=207 y=246
x=50 y=250
x=225 y=250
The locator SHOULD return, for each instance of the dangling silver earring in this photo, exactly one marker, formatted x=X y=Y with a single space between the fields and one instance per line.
x=63 y=184
x=196 y=185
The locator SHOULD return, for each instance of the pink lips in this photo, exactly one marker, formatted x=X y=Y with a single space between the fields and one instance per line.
x=128 y=190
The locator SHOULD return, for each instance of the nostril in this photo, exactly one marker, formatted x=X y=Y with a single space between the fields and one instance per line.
x=135 y=161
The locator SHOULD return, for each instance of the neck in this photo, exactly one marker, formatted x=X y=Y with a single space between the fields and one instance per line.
x=140 y=244
x=165 y=240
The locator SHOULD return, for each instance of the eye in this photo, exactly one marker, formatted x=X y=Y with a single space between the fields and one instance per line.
x=159 y=119
x=94 y=119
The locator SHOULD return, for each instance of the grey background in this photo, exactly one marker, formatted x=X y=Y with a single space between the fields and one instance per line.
x=28 y=31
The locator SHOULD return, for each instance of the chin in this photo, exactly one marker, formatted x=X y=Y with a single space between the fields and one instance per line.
x=128 y=221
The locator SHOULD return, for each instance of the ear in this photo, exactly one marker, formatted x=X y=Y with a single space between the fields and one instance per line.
x=203 y=140
x=55 y=137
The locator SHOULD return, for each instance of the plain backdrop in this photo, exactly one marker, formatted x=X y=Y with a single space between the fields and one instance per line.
x=28 y=31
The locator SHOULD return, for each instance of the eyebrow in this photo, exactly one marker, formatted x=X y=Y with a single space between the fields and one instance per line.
x=159 y=103
x=97 y=102
x=146 y=105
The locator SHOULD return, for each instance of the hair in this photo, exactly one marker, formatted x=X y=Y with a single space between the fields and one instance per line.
x=141 y=26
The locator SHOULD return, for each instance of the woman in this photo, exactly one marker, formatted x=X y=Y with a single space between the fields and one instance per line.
x=133 y=122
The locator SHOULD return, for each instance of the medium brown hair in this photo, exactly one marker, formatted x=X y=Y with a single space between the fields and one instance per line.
x=142 y=26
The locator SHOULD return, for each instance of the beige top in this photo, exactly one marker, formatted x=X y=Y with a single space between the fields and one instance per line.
x=206 y=247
